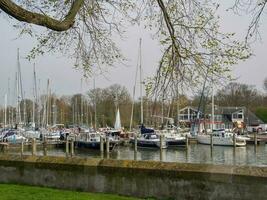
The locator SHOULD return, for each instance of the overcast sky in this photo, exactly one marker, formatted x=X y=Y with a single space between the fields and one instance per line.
x=66 y=80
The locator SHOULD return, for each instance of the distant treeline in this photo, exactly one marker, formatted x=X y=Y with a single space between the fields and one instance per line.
x=79 y=109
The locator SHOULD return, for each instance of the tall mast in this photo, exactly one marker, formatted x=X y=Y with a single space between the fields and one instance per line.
x=212 y=104
x=50 y=116
x=135 y=80
x=47 y=103
x=9 y=98
x=162 y=109
x=24 y=110
x=19 y=89
x=81 y=120
x=178 y=106
x=141 y=81
x=54 y=110
x=5 y=111
x=39 y=102
x=18 y=118
x=34 y=96
x=87 y=113
x=95 y=104
x=73 y=114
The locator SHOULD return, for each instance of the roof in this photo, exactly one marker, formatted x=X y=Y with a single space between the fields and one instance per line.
x=226 y=112
x=218 y=110
x=189 y=107
x=253 y=119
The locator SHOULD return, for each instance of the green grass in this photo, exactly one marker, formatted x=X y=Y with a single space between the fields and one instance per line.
x=21 y=192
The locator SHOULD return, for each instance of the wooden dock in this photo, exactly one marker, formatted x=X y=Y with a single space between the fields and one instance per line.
x=4 y=146
x=261 y=139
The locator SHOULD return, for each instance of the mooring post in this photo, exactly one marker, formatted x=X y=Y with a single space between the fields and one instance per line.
x=67 y=146
x=33 y=147
x=101 y=144
x=161 y=141
x=234 y=140
x=72 y=147
x=45 y=146
x=255 y=138
x=107 y=145
x=211 y=140
x=22 y=148
x=186 y=141
x=135 y=142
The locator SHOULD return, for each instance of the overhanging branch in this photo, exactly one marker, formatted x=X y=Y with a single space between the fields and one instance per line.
x=24 y=15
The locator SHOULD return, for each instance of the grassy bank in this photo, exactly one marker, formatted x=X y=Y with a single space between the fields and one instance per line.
x=21 y=192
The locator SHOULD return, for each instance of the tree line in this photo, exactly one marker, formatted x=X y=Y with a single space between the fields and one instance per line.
x=97 y=107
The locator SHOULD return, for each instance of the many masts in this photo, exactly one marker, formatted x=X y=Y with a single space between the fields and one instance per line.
x=46 y=110
x=34 y=97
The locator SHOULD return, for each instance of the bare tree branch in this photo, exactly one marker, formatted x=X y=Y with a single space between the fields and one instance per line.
x=24 y=15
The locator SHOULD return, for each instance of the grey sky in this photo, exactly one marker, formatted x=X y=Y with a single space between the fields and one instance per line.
x=66 y=80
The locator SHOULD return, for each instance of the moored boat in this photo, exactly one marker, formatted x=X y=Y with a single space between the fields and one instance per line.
x=150 y=140
x=222 y=138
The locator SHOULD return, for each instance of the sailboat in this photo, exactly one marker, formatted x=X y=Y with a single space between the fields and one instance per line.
x=117 y=131
x=220 y=137
x=147 y=137
x=33 y=133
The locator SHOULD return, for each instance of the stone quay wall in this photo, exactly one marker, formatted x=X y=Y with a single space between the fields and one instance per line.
x=160 y=180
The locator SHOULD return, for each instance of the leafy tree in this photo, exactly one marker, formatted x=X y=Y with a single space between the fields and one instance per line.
x=106 y=100
x=253 y=8
x=238 y=94
x=187 y=29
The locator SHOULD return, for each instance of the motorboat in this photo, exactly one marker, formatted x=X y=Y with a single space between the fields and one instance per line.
x=92 y=141
x=173 y=138
x=150 y=140
x=222 y=138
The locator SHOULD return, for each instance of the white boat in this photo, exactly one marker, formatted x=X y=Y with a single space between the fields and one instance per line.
x=173 y=138
x=150 y=140
x=55 y=135
x=221 y=138
x=32 y=134
x=12 y=137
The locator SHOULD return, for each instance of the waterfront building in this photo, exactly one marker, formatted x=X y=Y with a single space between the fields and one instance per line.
x=224 y=117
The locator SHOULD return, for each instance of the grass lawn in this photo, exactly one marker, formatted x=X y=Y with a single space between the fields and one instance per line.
x=21 y=192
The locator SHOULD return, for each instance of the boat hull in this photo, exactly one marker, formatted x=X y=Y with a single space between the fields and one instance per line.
x=149 y=144
x=93 y=145
x=176 y=143
x=219 y=141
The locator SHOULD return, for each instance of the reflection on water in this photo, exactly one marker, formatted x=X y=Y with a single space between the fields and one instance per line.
x=196 y=153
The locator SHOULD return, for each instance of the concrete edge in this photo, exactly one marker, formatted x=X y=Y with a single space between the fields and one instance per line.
x=252 y=171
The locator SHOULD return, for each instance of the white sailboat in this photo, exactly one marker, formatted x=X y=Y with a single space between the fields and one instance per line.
x=220 y=137
x=117 y=125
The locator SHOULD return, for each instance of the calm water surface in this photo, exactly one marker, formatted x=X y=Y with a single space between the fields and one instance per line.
x=196 y=153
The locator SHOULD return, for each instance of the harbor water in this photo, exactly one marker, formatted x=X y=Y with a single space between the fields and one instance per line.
x=196 y=153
